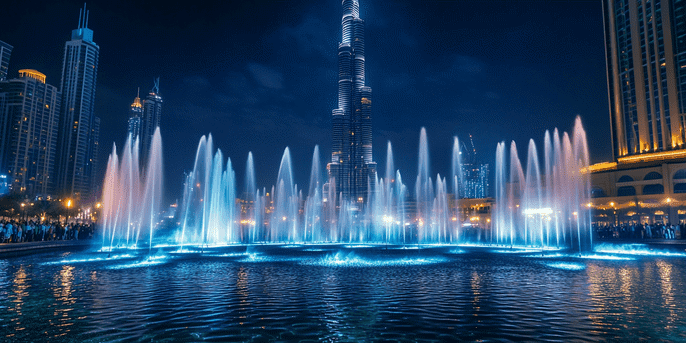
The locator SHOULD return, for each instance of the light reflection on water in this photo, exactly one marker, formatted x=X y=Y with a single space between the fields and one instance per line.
x=304 y=295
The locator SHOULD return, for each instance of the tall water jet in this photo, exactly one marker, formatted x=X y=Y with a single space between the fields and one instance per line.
x=515 y=192
x=457 y=179
x=556 y=198
x=423 y=187
x=131 y=197
x=250 y=197
x=313 y=204
x=533 y=210
x=501 y=201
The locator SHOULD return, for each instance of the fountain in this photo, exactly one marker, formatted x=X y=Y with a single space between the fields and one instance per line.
x=540 y=205
x=545 y=209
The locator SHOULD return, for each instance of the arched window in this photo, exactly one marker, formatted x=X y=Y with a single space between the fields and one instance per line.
x=681 y=174
x=625 y=178
x=597 y=192
x=680 y=188
x=653 y=189
x=653 y=176
x=626 y=191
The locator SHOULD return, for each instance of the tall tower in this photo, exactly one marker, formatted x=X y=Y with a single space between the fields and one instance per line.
x=351 y=163
x=645 y=48
x=135 y=116
x=29 y=132
x=78 y=134
x=152 y=114
x=5 y=52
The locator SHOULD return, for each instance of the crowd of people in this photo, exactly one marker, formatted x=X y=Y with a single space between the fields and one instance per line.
x=636 y=231
x=18 y=231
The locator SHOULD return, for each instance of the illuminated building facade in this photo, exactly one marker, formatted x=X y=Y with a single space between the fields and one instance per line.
x=351 y=164
x=79 y=127
x=646 y=72
x=475 y=183
x=645 y=45
x=135 y=116
x=152 y=115
x=29 y=132
x=5 y=53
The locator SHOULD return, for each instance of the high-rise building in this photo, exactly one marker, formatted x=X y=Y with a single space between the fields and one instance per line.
x=152 y=114
x=351 y=163
x=645 y=48
x=77 y=140
x=474 y=178
x=29 y=132
x=5 y=52
x=135 y=116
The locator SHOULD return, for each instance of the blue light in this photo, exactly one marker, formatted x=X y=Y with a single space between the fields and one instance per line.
x=566 y=265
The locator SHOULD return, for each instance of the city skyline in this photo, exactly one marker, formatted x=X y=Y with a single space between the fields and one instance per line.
x=455 y=75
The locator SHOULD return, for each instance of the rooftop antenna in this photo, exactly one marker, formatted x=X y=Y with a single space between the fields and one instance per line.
x=80 y=12
x=87 y=15
x=138 y=95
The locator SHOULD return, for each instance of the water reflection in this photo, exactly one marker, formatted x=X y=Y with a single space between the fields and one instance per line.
x=18 y=294
x=471 y=296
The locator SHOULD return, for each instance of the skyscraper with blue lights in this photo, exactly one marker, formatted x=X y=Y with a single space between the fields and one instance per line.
x=79 y=127
x=351 y=163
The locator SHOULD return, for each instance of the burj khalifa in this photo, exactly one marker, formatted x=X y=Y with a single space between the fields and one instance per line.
x=352 y=170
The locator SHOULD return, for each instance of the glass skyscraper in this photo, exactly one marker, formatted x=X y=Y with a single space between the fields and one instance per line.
x=351 y=163
x=79 y=127
x=152 y=115
x=5 y=53
x=645 y=44
x=135 y=115
x=29 y=132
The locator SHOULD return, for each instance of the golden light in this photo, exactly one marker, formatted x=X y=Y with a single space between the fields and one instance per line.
x=23 y=204
x=488 y=220
x=68 y=203
x=98 y=205
x=575 y=213
x=454 y=219
x=669 y=200
x=474 y=219
x=284 y=218
x=589 y=204
x=612 y=204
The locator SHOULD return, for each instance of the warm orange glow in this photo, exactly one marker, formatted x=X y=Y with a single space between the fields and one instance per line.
x=602 y=166
x=98 y=205
x=655 y=156
x=34 y=74
x=68 y=203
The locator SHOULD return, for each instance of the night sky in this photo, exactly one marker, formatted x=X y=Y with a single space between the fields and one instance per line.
x=261 y=75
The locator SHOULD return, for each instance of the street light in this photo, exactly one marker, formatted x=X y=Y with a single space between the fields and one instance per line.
x=68 y=209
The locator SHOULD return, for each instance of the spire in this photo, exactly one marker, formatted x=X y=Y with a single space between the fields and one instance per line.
x=156 y=87
x=82 y=32
x=137 y=100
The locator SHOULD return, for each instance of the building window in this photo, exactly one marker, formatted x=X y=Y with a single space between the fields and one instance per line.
x=653 y=176
x=653 y=189
x=597 y=192
x=681 y=174
x=626 y=191
x=680 y=188
x=625 y=178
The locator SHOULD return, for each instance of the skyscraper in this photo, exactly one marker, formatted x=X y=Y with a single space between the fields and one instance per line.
x=135 y=116
x=351 y=163
x=77 y=140
x=5 y=52
x=29 y=132
x=152 y=115
x=645 y=47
